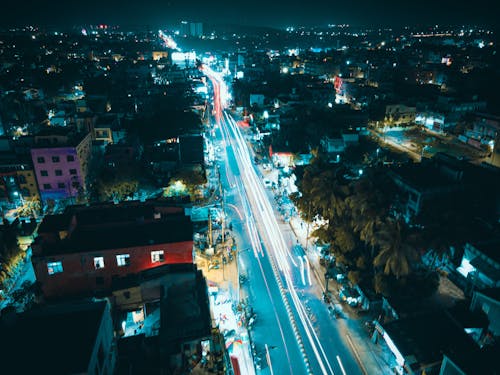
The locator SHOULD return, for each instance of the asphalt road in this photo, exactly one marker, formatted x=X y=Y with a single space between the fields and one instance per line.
x=292 y=320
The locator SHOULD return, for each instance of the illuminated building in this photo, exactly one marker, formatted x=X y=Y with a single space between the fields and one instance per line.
x=83 y=250
x=60 y=159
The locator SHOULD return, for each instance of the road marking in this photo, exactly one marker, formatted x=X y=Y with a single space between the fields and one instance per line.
x=341 y=365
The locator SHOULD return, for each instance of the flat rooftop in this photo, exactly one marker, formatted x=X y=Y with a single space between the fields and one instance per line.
x=169 y=230
x=428 y=336
x=57 y=339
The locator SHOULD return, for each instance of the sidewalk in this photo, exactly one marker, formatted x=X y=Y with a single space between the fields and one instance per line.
x=371 y=358
x=223 y=280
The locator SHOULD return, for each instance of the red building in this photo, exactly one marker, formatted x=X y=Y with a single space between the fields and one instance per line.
x=83 y=250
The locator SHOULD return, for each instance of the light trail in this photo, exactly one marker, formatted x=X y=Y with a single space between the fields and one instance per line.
x=308 y=270
x=255 y=192
x=236 y=209
x=341 y=365
x=279 y=252
x=302 y=271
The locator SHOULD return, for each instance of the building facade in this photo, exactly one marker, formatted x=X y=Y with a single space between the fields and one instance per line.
x=61 y=164
x=84 y=250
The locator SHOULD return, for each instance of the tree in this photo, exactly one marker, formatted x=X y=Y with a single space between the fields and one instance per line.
x=397 y=248
x=118 y=183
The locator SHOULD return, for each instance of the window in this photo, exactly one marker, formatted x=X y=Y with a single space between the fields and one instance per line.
x=47 y=186
x=61 y=185
x=70 y=158
x=98 y=262
x=75 y=184
x=54 y=267
x=72 y=171
x=56 y=159
x=123 y=260
x=58 y=172
x=157 y=256
x=44 y=173
x=22 y=179
x=40 y=159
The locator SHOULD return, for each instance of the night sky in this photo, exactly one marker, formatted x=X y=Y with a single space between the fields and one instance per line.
x=276 y=13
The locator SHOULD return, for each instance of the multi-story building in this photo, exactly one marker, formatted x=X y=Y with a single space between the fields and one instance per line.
x=399 y=114
x=17 y=182
x=78 y=337
x=85 y=249
x=60 y=160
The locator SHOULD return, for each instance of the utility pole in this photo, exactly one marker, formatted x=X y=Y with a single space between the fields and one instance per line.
x=209 y=229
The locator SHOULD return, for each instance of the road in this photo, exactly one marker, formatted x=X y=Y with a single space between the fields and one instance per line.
x=301 y=335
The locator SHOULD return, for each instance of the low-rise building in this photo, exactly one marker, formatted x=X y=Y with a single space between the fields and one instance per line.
x=400 y=114
x=421 y=343
x=83 y=250
x=69 y=338
x=488 y=301
x=480 y=265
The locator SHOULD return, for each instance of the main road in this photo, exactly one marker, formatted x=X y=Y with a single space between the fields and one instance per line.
x=295 y=333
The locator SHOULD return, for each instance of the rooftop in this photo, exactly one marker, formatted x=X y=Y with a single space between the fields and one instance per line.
x=170 y=230
x=422 y=176
x=57 y=339
x=427 y=337
x=493 y=293
x=489 y=248
x=58 y=137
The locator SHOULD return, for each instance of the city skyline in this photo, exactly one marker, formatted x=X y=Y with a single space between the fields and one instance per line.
x=259 y=13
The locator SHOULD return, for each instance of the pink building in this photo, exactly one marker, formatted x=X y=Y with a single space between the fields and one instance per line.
x=60 y=160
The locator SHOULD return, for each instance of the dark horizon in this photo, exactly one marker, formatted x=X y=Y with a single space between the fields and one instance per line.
x=278 y=14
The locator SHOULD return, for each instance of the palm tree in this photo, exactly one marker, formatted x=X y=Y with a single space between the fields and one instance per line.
x=397 y=248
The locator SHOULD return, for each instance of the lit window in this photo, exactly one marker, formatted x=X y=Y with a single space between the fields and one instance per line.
x=98 y=262
x=123 y=259
x=54 y=267
x=157 y=256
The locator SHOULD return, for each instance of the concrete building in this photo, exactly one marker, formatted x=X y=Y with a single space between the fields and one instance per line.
x=421 y=343
x=85 y=249
x=166 y=309
x=480 y=265
x=192 y=29
x=488 y=301
x=17 y=182
x=69 y=338
x=399 y=114
x=60 y=160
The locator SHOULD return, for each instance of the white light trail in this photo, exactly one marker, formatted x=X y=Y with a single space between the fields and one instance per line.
x=308 y=270
x=302 y=271
x=275 y=244
x=341 y=366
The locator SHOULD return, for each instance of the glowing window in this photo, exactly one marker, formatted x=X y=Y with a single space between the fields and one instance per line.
x=98 y=262
x=123 y=260
x=54 y=267
x=157 y=256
